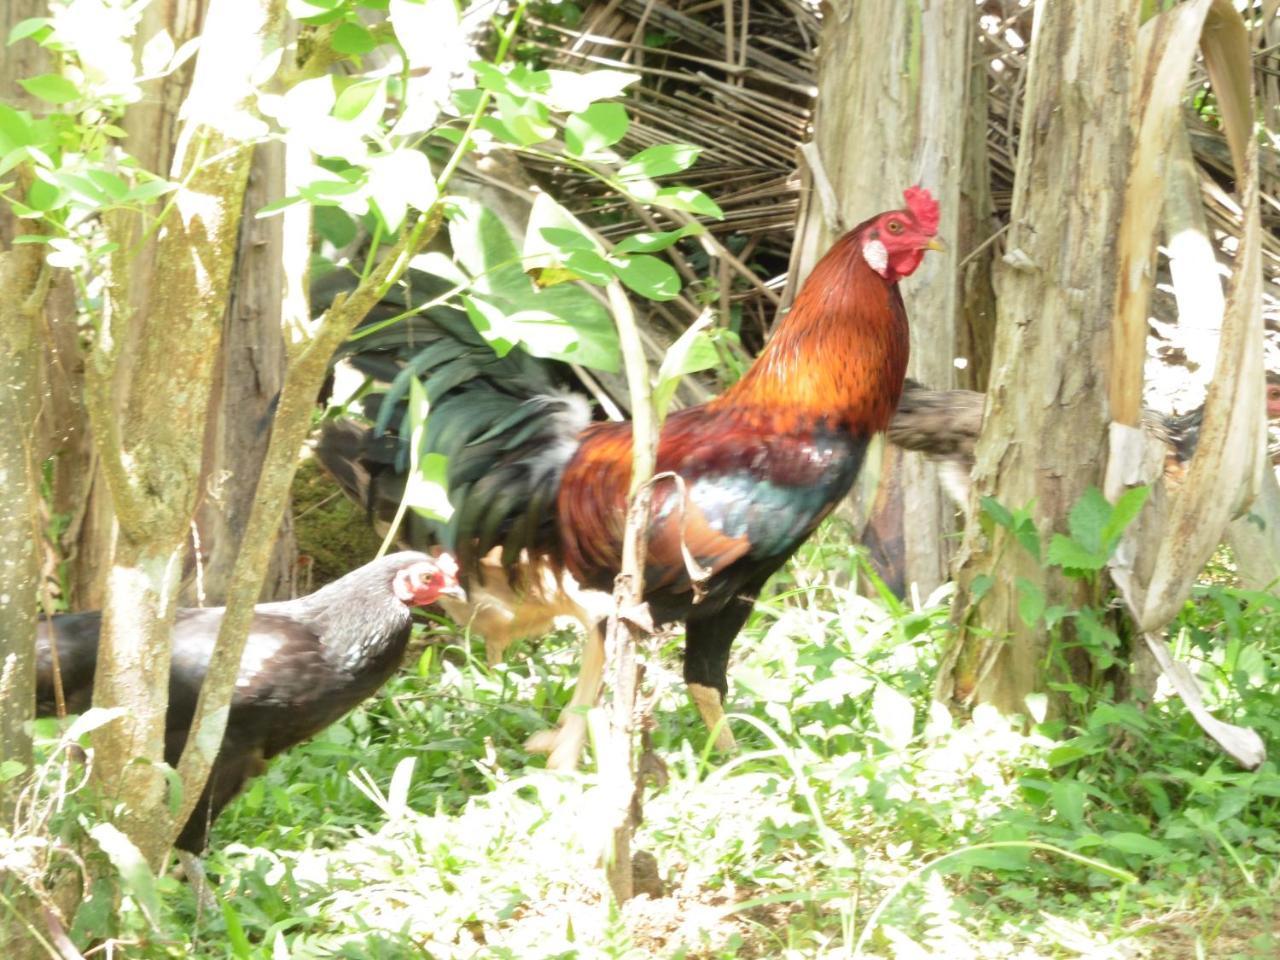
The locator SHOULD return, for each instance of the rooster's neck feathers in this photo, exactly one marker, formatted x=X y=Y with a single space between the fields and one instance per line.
x=839 y=356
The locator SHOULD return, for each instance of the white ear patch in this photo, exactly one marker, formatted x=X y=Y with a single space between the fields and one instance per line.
x=877 y=257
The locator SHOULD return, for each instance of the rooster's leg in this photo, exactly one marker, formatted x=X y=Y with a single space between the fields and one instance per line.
x=563 y=745
x=709 y=636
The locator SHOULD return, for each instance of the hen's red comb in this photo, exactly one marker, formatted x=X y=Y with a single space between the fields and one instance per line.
x=923 y=207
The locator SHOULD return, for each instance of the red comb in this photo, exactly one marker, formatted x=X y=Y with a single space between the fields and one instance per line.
x=923 y=207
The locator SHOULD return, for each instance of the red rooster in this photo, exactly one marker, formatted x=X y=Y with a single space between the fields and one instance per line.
x=533 y=481
x=306 y=663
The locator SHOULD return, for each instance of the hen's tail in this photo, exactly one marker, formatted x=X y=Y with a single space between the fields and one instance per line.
x=507 y=425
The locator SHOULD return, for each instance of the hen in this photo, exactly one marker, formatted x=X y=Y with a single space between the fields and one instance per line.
x=540 y=492
x=306 y=663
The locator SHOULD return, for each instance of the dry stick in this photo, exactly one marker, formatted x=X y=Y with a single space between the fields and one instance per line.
x=624 y=628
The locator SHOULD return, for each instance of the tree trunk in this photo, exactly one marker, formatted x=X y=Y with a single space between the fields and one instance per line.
x=1044 y=436
x=250 y=376
x=20 y=270
x=160 y=331
x=893 y=80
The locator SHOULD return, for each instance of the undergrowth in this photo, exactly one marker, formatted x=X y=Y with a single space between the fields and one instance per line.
x=857 y=819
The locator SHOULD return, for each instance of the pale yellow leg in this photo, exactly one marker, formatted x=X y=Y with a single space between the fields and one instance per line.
x=707 y=700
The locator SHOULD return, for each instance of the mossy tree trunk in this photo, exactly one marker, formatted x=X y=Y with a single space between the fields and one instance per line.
x=1044 y=436
x=149 y=378
x=893 y=110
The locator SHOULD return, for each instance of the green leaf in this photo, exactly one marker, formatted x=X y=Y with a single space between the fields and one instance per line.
x=692 y=351
x=654 y=242
x=11 y=770
x=994 y=509
x=981 y=584
x=27 y=28
x=480 y=241
x=149 y=190
x=334 y=225
x=525 y=118
x=15 y=129
x=564 y=240
x=491 y=323
x=352 y=40
x=52 y=88
x=1088 y=518
x=575 y=92
x=660 y=160
x=590 y=266
x=1068 y=801
x=552 y=233
x=1072 y=557
x=1123 y=513
x=590 y=131
x=1030 y=602
x=689 y=200
x=358 y=97
x=135 y=875
x=648 y=276
x=1137 y=844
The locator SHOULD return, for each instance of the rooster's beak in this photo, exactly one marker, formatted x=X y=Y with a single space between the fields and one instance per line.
x=454 y=592
x=935 y=244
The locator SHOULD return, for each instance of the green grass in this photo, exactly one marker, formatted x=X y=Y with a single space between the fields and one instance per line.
x=857 y=818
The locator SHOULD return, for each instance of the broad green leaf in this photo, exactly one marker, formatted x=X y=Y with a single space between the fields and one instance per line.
x=27 y=28
x=135 y=875
x=525 y=118
x=492 y=78
x=91 y=720
x=148 y=190
x=1137 y=844
x=1068 y=801
x=590 y=266
x=1123 y=513
x=552 y=233
x=562 y=240
x=440 y=265
x=359 y=97
x=1072 y=557
x=334 y=225
x=1087 y=519
x=15 y=129
x=428 y=489
x=575 y=92
x=692 y=351
x=491 y=322
x=352 y=40
x=1030 y=602
x=982 y=583
x=480 y=241
x=45 y=197
x=51 y=87
x=653 y=242
x=689 y=200
x=592 y=130
x=660 y=160
x=648 y=276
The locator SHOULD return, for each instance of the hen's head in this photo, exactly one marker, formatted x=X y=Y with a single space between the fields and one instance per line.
x=423 y=582
x=893 y=244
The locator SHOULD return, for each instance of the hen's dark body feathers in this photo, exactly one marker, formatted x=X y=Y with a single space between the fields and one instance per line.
x=306 y=663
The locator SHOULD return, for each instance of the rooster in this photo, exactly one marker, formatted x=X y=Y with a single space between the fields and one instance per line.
x=305 y=664
x=540 y=492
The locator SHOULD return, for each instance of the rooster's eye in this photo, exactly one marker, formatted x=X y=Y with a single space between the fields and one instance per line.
x=894 y=227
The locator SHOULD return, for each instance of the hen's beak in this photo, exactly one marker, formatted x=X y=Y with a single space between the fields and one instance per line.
x=454 y=592
x=936 y=244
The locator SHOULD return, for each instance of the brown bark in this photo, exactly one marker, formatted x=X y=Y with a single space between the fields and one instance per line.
x=159 y=335
x=249 y=378
x=20 y=278
x=1045 y=424
x=893 y=80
